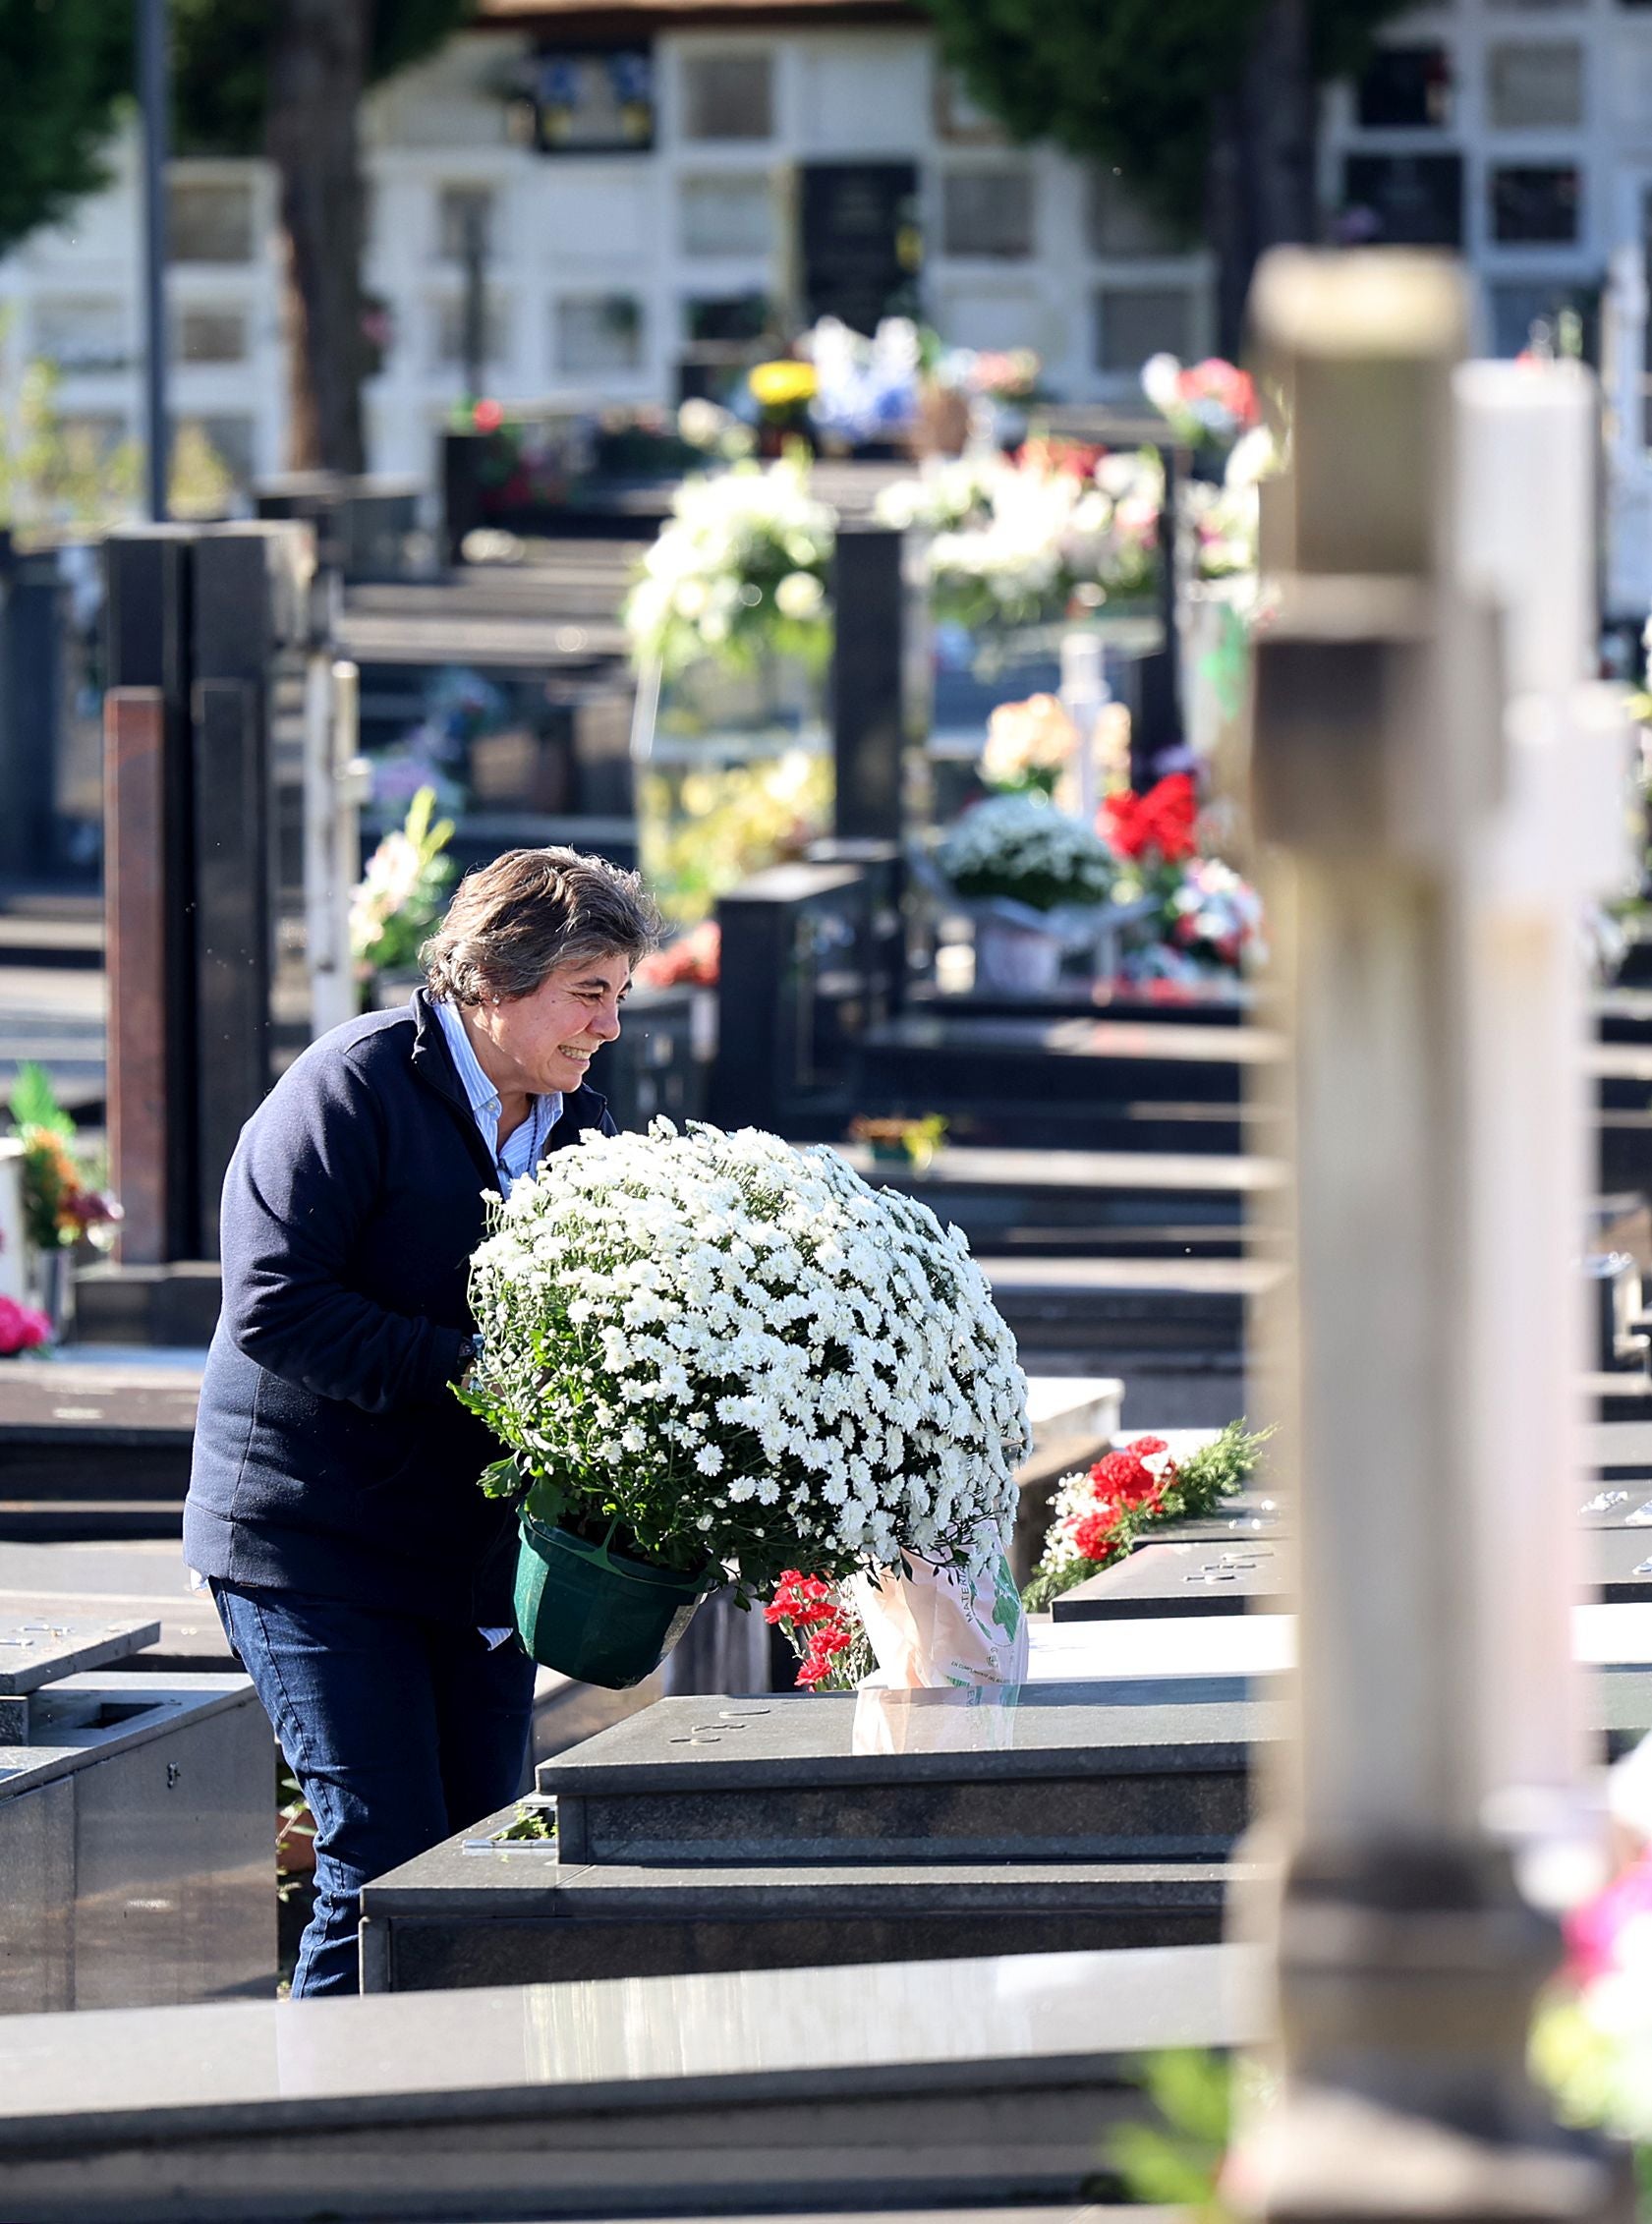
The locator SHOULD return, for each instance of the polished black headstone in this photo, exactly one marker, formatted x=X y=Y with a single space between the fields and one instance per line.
x=868 y=676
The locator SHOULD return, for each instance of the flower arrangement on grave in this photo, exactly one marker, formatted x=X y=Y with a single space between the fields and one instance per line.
x=1017 y=540
x=706 y=830
x=1029 y=746
x=63 y=1202
x=1207 y=920
x=400 y=895
x=693 y=960
x=1154 y=830
x=782 y=391
x=1206 y=405
x=713 y=1357
x=1100 y=1513
x=738 y=574
x=22 y=1327
x=1225 y=516
x=1591 y=2041
x=1020 y=849
x=913 y=1142
x=866 y=389
x=1212 y=924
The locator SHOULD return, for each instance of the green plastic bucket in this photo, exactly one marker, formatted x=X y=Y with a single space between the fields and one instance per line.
x=592 y=1613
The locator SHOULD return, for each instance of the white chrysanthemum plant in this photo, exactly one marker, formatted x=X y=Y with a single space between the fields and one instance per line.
x=713 y=1350
x=1019 y=860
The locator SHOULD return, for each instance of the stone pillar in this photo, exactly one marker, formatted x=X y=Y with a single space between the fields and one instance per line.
x=334 y=783
x=135 y=918
x=868 y=684
x=1408 y=1960
x=148 y=579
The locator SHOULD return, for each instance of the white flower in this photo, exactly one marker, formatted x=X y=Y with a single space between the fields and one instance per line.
x=799 y=595
x=810 y=1344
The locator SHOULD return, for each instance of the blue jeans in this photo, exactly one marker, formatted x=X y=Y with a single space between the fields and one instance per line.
x=401 y=1731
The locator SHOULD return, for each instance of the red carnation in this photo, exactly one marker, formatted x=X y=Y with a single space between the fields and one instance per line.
x=1099 y=1535
x=1160 y=821
x=1125 y=1479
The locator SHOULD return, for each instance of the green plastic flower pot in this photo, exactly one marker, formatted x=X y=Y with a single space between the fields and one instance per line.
x=592 y=1613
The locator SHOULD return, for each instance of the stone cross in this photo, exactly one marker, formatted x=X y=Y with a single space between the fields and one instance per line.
x=1441 y=789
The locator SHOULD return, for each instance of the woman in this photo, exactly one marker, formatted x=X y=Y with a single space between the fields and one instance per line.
x=360 y=1573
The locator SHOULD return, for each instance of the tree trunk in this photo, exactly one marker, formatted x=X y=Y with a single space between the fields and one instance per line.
x=318 y=74
x=1261 y=186
x=1227 y=228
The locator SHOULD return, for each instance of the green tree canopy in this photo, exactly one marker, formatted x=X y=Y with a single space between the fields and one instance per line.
x=1155 y=86
x=222 y=52
x=65 y=68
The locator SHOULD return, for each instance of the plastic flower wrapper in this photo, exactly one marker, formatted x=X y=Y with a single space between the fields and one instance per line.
x=721 y=1349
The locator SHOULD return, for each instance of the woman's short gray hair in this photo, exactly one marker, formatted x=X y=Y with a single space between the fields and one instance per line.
x=513 y=922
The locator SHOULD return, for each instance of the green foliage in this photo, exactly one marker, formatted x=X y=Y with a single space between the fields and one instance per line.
x=34 y=1102
x=1132 y=83
x=68 y=68
x=534 y=1821
x=65 y=68
x=1180 y=2164
x=221 y=54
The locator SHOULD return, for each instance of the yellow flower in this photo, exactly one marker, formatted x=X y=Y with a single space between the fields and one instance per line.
x=776 y=385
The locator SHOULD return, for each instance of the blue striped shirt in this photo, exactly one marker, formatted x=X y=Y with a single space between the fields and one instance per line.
x=519 y=1154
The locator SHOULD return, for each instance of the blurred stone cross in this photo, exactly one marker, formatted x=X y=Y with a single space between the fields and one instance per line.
x=1445 y=787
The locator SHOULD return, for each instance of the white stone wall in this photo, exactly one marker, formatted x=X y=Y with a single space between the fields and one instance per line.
x=595 y=258
x=74 y=294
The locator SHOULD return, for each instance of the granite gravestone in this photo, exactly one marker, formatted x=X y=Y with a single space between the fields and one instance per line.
x=795 y=1830
x=134 y=1824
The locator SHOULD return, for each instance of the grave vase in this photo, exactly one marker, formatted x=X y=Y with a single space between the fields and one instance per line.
x=595 y=1614
x=51 y=1287
x=1015 y=960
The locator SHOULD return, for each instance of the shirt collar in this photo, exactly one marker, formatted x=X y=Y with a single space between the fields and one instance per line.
x=482 y=1095
x=479 y=1092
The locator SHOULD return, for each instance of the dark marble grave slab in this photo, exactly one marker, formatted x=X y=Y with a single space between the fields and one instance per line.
x=1106 y=1085
x=966 y=2083
x=1081 y=1772
x=1213 y=1572
x=1213 y=1576
x=458 y=1916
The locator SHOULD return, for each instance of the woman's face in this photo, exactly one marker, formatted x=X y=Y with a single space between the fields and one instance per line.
x=544 y=1042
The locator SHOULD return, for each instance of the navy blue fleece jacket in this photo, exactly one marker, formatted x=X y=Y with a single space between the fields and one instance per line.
x=330 y=1453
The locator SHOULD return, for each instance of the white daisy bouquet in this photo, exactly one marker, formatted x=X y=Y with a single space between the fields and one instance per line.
x=741 y=569
x=714 y=1348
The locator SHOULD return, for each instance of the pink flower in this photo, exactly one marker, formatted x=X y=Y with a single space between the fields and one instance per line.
x=22 y=1329
x=1594 y=1931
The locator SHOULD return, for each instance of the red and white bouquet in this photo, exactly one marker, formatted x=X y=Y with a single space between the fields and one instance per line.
x=1100 y=1513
